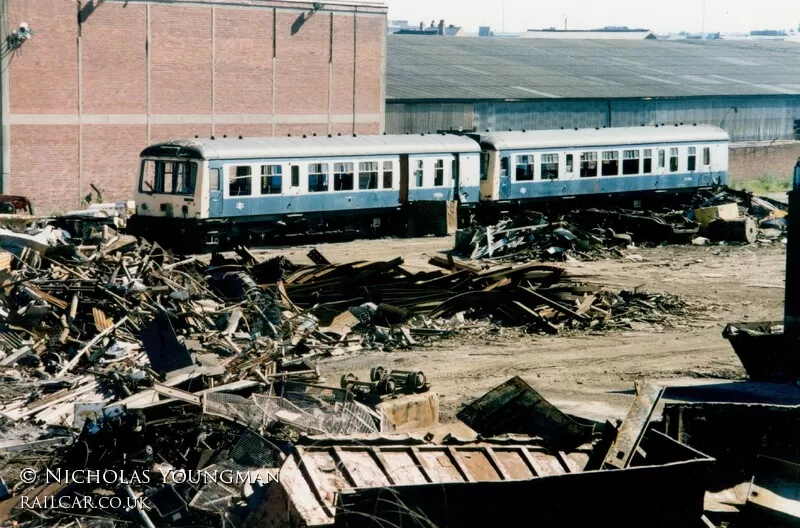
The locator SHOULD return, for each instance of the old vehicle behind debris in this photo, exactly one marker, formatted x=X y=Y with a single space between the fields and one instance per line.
x=251 y=189
x=546 y=164
x=227 y=188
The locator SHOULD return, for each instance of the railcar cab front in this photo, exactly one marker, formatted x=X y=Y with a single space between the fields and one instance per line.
x=171 y=182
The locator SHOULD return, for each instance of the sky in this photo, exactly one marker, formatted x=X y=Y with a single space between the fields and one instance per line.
x=665 y=16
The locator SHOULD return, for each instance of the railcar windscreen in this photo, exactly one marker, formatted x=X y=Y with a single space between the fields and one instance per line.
x=168 y=177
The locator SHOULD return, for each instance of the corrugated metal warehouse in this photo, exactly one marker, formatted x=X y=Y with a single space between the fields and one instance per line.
x=751 y=89
x=101 y=79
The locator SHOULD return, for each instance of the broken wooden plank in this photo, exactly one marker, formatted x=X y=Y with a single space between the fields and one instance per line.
x=233 y=322
x=177 y=394
x=74 y=361
x=553 y=304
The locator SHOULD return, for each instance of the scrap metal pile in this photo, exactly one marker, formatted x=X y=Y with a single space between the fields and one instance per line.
x=117 y=356
x=395 y=303
x=724 y=215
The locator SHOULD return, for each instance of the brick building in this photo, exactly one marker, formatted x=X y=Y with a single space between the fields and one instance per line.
x=100 y=80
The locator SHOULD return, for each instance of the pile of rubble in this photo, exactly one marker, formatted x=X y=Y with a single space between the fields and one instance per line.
x=116 y=356
x=747 y=217
x=724 y=215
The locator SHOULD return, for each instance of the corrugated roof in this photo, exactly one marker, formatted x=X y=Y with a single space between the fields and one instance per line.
x=299 y=147
x=589 y=137
x=440 y=68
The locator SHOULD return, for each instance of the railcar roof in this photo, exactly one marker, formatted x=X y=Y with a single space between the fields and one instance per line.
x=299 y=147
x=590 y=137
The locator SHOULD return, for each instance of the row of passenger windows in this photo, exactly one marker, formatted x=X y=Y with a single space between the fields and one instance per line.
x=438 y=173
x=634 y=161
x=370 y=175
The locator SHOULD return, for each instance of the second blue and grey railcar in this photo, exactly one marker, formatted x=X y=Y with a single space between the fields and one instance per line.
x=551 y=164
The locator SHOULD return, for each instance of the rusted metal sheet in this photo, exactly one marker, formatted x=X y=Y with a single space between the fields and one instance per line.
x=666 y=490
x=775 y=493
x=315 y=475
x=515 y=407
x=634 y=426
x=407 y=413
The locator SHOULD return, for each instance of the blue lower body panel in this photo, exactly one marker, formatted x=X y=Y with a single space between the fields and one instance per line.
x=437 y=194
x=469 y=195
x=614 y=184
x=312 y=203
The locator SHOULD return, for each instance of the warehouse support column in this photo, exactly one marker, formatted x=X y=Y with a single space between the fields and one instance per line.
x=792 y=306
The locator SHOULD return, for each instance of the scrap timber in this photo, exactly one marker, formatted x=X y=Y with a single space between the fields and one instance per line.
x=117 y=355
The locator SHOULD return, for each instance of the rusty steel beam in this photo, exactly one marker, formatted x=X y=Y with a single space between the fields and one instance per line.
x=634 y=426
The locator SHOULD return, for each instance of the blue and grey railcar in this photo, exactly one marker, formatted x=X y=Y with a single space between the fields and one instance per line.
x=229 y=186
x=196 y=188
x=551 y=164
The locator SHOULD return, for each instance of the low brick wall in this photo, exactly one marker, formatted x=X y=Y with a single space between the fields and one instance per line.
x=752 y=161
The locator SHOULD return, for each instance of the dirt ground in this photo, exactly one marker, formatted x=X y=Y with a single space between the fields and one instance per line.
x=589 y=375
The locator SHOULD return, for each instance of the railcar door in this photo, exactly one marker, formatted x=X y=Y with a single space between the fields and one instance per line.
x=505 y=177
x=456 y=182
x=403 y=178
x=215 y=193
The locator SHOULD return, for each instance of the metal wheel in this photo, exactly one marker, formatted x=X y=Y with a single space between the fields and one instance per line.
x=417 y=380
x=346 y=379
x=376 y=373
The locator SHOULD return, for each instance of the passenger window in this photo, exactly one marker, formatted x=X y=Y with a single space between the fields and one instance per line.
x=213 y=174
x=706 y=156
x=342 y=176
x=504 y=167
x=661 y=159
x=438 y=179
x=588 y=164
x=240 y=181
x=673 y=160
x=525 y=168
x=368 y=175
x=692 y=159
x=295 y=175
x=569 y=164
x=647 y=163
x=630 y=162
x=388 y=174
x=419 y=173
x=271 y=179
x=610 y=163
x=549 y=166
x=318 y=177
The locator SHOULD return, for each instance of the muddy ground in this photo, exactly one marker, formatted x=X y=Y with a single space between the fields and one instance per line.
x=590 y=375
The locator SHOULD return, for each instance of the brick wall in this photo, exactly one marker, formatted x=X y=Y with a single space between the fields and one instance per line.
x=83 y=99
x=756 y=161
